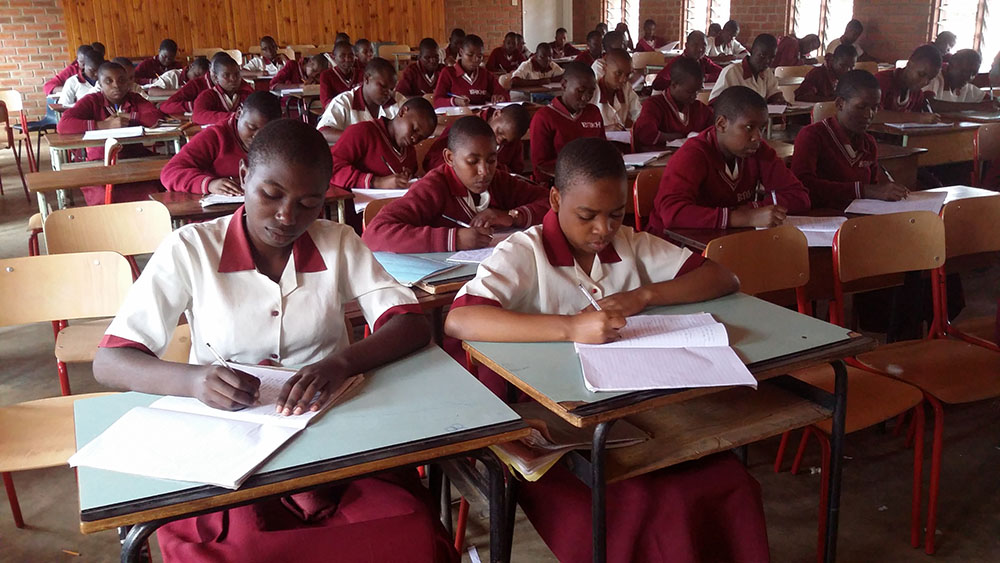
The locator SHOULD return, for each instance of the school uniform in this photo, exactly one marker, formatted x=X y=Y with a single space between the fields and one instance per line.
x=206 y=272
x=646 y=45
x=599 y=66
x=705 y=510
x=553 y=126
x=182 y=101
x=76 y=87
x=365 y=151
x=820 y=82
x=260 y=63
x=479 y=87
x=500 y=61
x=332 y=82
x=85 y=115
x=169 y=80
x=731 y=49
x=61 y=77
x=788 y=53
x=348 y=108
x=837 y=42
x=416 y=222
x=764 y=83
x=940 y=90
x=661 y=114
x=896 y=97
x=566 y=50
x=617 y=107
x=214 y=153
x=415 y=81
x=151 y=68
x=699 y=189
x=447 y=52
x=215 y=105
x=708 y=68
x=294 y=72
x=585 y=57
x=531 y=70
x=510 y=156
x=835 y=165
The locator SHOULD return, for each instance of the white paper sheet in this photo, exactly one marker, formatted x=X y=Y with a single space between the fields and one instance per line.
x=819 y=231
x=641 y=158
x=471 y=256
x=620 y=136
x=364 y=196
x=118 y=133
x=915 y=201
x=669 y=47
x=220 y=199
x=913 y=125
x=668 y=331
x=776 y=109
x=638 y=369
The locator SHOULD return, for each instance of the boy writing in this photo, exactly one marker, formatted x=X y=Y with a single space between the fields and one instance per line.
x=374 y=99
x=561 y=47
x=539 y=70
x=465 y=83
x=175 y=79
x=507 y=57
x=151 y=68
x=82 y=83
x=675 y=113
x=903 y=88
x=63 y=75
x=305 y=72
x=569 y=116
x=725 y=46
x=182 y=101
x=694 y=49
x=820 y=85
x=268 y=62
x=615 y=97
x=224 y=97
x=952 y=89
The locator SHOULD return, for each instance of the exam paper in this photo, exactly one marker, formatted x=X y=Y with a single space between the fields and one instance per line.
x=776 y=109
x=641 y=158
x=620 y=136
x=364 y=196
x=220 y=199
x=668 y=331
x=639 y=369
x=915 y=201
x=471 y=256
x=118 y=133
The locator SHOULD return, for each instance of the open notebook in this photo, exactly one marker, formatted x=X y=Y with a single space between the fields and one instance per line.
x=819 y=231
x=409 y=269
x=182 y=439
x=915 y=201
x=664 y=352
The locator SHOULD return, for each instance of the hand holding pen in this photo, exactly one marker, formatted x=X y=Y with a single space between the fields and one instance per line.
x=222 y=387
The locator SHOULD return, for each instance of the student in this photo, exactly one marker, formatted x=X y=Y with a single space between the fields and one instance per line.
x=754 y=72
x=902 y=88
x=507 y=57
x=724 y=46
x=151 y=68
x=420 y=77
x=126 y=63
x=595 y=48
x=223 y=276
x=363 y=53
x=820 y=84
x=561 y=47
x=72 y=69
x=602 y=28
x=529 y=291
x=714 y=30
x=341 y=36
x=342 y=76
x=611 y=40
x=305 y=73
x=177 y=78
x=224 y=97
x=649 y=40
x=525 y=52
x=373 y=99
x=694 y=49
x=465 y=83
x=952 y=88
x=509 y=125
x=100 y=48
x=210 y=162
x=467 y=188
x=852 y=32
x=539 y=70
x=269 y=61
x=675 y=113
x=380 y=153
x=945 y=42
x=82 y=83
x=569 y=116
x=618 y=102
x=627 y=42
x=792 y=51
x=727 y=176
x=837 y=159
x=182 y=101
x=450 y=53
x=113 y=107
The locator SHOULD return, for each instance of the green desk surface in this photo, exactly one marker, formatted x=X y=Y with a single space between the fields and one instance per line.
x=763 y=335
x=425 y=400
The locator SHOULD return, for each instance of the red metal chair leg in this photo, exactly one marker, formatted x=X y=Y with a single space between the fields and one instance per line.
x=20 y=171
x=135 y=267
x=911 y=430
x=63 y=378
x=781 y=451
x=802 y=448
x=463 y=519
x=918 y=474
x=15 y=508
x=33 y=248
x=932 y=498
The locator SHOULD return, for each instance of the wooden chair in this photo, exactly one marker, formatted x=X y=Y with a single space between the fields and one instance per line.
x=372 y=209
x=823 y=110
x=112 y=148
x=788 y=91
x=870 y=66
x=644 y=192
x=252 y=50
x=236 y=55
x=306 y=53
x=301 y=48
x=648 y=58
x=704 y=95
x=15 y=105
x=798 y=71
x=388 y=53
x=422 y=148
x=209 y=52
x=986 y=148
x=7 y=138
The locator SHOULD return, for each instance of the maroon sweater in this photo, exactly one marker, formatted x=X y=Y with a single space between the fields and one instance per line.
x=566 y=50
x=214 y=153
x=697 y=193
x=500 y=61
x=510 y=156
x=711 y=70
x=820 y=83
x=892 y=91
x=182 y=101
x=479 y=88
x=554 y=126
x=332 y=82
x=149 y=69
x=416 y=223
x=651 y=45
x=292 y=73
x=660 y=113
x=834 y=166
x=214 y=105
x=362 y=152
x=788 y=53
x=61 y=78
x=415 y=82
x=585 y=57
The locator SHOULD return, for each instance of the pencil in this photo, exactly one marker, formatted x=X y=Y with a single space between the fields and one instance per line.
x=387 y=165
x=457 y=222
x=589 y=296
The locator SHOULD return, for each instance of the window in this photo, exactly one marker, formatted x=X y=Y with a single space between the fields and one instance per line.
x=617 y=11
x=974 y=25
x=698 y=14
x=825 y=18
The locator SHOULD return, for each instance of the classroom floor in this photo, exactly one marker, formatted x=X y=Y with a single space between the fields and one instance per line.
x=874 y=523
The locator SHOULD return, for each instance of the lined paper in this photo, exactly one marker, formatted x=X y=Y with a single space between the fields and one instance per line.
x=220 y=199
x=364 y=196
x=471 y=256
x=668 y=331
x=118 y=132
x=639 y=369
x=641 y=158
x=915 y=201
x=620 y=136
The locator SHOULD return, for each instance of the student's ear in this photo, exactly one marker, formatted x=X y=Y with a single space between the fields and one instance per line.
x=721 y=122
x=554 y=199
x=839 y=102
x=449 y=157
x=243 y=171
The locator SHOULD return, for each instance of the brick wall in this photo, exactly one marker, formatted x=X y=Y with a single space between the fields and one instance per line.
x=489 y=19
x=762 y=16
x=666 y=14
x=893 y=28
x=586 y=15
x=32 y=49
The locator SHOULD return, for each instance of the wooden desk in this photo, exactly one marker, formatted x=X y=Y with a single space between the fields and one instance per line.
x=901 y=162
x=771 y=340
x=59 y=144
x=157 y=95
x=945 y=145
x=90 y=174
x=341 y=445
x=972 y=116
x=185 y=207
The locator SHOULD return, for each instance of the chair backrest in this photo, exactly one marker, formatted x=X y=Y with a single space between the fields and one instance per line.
x=288 y=52
x=236 y=55
x=986 y=148
x=422 y=148
x=13 y=99
x=253 y=50
x=877 y=245
x=4 y=119
x=823 y=110
x=130 y=228
x=704 y=95
x=788 y=91
x=301 y=48
x=870 y=66
x=648 y=58
x=765 y=260
x=372 y=209
x=44 y=288
x=208 y=52
x=792 y=71
x=306 y=53
x=970 y=226
x=644 y=192
x=326 y=47
x=387 y=51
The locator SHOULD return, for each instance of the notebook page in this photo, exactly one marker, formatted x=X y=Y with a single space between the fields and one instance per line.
x=668 y=331
x=471 y=256
x=639 y=369
x=183 y=447
x=118 y=133
x=776 y=109
x=641 y=158
x=820 y=224
x=409 y=269
x=364 y=196
x=915 y=201
x=620 y=136
x=220 y=199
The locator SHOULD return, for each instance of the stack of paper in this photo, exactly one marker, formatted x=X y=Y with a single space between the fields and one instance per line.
x=913 y=125
x=409 y=269
x=161 y=129
x=642 y=158
x=220 y=199
x=664 y=352
x=182 y=439
x=118 y=133
x=364 y=196
x=819 y=231
x=620 y=136
x=287 y=91
x=915 y=201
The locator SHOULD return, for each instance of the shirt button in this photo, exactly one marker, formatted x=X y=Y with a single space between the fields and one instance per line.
x=274 y=313
x=274 y=356
x=593 y=291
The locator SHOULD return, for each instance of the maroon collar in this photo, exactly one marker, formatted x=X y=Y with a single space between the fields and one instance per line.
x=455 y=185
x=461 y=71
x=358 y=100
x=237 y=257
x=747 y=71
x=607 y=95
x=231 y=125
x=538 y=67
x=561 y=109
x=557 y=248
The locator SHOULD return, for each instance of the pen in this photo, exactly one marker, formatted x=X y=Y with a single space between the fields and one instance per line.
x=588 y=296
x=387 y=165
x=219 y=357
x=457 y=222
x=774 y=197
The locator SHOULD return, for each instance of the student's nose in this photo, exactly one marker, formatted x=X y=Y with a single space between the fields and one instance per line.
x=284 y=214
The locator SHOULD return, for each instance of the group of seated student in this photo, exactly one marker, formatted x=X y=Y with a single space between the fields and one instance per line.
x=165 y=60
x=792 y=51
x=725 y=46
x=538 y=70
x=269 y=61
x=343 y=75
x=224 y=96
x=509 y=125
x=952 y=89
x=595 y=48
x=561 y=47
x=694 y=49
x=182 y=101
x=54 y=84
x=507 y=57
x=569 y=116
x=852 y=32
x=304 y=72
x=83 y=82
x=674 y=113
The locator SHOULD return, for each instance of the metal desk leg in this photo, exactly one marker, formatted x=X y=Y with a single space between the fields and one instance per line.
x=498 y=535
x=61 y=197
x=177 y=145
x=341 y=212
x=510 y=505
x=598 y=488
x=836 y=459
x=136 y=538
x=55 y=155
x=43 y=206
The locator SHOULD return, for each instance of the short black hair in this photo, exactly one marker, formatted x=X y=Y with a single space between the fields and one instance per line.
x=291 y=141
x=856 y=24
x=466 y=128
x=222 y=59
x=620 y=54
x=574 y=70
x=927 y=53
x=648 y=21
x=561 y=30
x=168 y=45
x=268 y=39
x=600 y=25
x=855 y=82
x=764 y=41
x=611 y=37
x=341 y=36
x=945 y=37
x=200 y=63
x=694 y=34
x=845 y=51
x=264 y=103
x=543 y=46
x=593 y=33
x=472 y=40
x=429 y=44
x=321 y=61
x=423 y=107
x=124 y=62
x=84 y=48
x=519 y=115
x=457 y=32
x=92 y=58
x=974 y=57
x=109 y=66
x=714 y=27
x=684 y=69
x=378 y=65
x=360 y=43
x=587 y=159
x=736 y=101
x=732 y=25
x=99 y=47
x=341 y=45
x=510 y=34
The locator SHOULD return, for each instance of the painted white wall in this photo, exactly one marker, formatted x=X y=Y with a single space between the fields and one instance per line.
x=543 y=17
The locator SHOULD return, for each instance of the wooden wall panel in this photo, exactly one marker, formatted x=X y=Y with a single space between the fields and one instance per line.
x=136 y=27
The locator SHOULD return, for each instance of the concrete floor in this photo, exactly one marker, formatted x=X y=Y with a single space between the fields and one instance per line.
x=876 y=491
